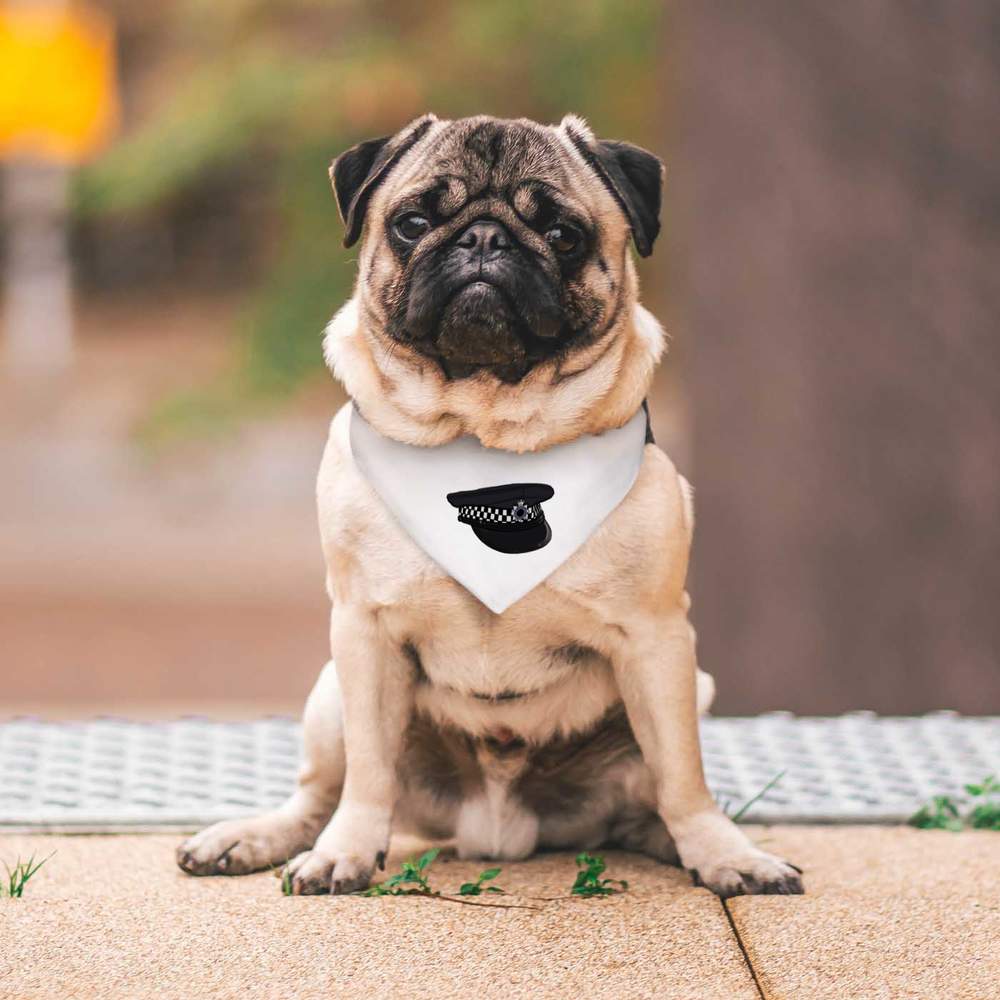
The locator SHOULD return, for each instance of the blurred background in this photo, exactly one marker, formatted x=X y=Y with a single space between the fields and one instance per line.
x=828 y=274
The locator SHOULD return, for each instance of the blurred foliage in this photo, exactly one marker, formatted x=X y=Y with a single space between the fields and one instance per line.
x=287 y=85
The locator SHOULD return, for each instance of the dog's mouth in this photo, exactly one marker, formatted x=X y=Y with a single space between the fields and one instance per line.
x=480 y=290
x=470 y=313
x=480 y=326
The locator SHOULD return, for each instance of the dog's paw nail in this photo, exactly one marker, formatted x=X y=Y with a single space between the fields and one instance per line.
x=756 y=874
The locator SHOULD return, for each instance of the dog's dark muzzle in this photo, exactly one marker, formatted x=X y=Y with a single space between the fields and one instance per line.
x=481 y=298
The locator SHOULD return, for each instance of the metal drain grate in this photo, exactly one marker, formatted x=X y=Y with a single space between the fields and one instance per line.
x=111 y=773
x=855 y=768
x=115 y=773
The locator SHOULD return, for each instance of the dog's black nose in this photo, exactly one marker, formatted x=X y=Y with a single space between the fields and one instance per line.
x=485 y=238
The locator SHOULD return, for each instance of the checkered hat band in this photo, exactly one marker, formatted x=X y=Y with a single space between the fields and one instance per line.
x=500 y=515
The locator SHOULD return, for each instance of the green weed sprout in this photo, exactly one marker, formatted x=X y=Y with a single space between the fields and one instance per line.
x=588 y=879
x=477 y=888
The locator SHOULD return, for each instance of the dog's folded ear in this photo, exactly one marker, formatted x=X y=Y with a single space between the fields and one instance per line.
x=358 y=172
x=633 y=175
x=636 y=175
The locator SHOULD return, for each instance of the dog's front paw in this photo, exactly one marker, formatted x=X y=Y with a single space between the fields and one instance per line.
x=345 y=855
x=315 y=873
x=751 y=873
x=721 y=857
x=241 y=846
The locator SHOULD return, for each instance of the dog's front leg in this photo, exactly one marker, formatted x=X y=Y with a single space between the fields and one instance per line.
x=376 y=679
x=655 y=670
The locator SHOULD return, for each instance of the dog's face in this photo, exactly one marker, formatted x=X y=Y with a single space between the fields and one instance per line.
x=496 y=245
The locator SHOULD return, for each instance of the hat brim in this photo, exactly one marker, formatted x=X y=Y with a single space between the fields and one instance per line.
x=522 y=540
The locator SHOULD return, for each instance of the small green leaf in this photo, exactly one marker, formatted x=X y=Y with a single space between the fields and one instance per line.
x=428 y=857
x=409 y=880
x=477 y=888
x=588 y=880
x=940 y=813
x=985 y=816
x=988 y=786
x=946 y=805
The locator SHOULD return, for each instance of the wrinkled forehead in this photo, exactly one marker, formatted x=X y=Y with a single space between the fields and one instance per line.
x=471 y=159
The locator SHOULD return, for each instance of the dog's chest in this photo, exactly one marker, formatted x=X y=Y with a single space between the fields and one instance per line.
x=532 y=672
x=461 y=645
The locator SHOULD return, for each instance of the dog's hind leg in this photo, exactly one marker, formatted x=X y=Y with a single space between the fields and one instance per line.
x=637 y=826
x=644 y=834
x=240 y=846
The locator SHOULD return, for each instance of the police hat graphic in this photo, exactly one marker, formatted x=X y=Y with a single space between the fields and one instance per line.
x=506 y=518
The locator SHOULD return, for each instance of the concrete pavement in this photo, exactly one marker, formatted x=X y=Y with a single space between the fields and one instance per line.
x=890 y=912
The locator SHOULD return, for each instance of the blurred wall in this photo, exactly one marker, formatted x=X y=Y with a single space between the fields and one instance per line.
x=836 y=240
x=158 y=542
x=828 y=275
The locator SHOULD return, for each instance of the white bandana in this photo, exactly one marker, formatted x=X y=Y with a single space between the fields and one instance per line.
x=556 y=497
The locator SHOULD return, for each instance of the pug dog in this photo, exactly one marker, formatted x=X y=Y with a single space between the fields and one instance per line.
x=497 y=297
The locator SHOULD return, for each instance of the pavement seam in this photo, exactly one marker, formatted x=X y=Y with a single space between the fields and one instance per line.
x=743 y=951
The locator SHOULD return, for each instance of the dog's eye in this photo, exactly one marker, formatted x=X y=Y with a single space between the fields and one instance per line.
x=411 y=227
x=563 y=238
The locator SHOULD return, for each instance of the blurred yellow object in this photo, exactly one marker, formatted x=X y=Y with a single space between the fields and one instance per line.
x=57 y=81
